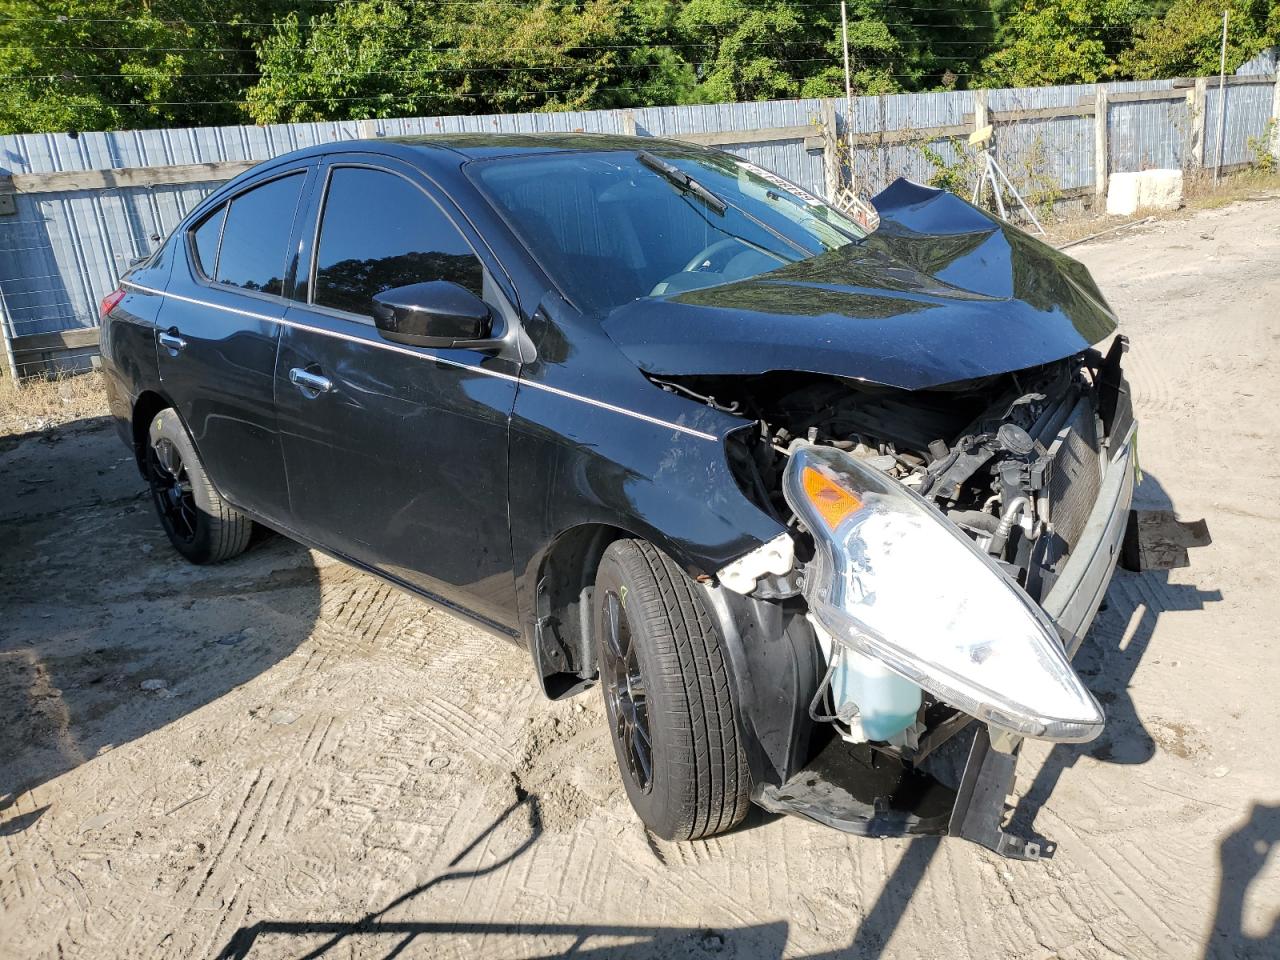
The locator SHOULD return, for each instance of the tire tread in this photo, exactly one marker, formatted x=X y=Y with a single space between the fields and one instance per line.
x=226 y=531
x=701 y=720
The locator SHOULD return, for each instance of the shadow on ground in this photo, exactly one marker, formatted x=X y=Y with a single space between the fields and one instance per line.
x=1107 y=661
x=579 y=940
x=108 y=633
x=1241 y=859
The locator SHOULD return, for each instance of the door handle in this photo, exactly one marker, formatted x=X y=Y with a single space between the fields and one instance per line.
x=309 y=383
x=170 y=340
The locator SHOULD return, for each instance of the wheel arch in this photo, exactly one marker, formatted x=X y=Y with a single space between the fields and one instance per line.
x=561 y=641
x=560 y=635
x=145 y=408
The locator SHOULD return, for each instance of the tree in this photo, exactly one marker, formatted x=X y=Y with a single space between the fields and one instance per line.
x=378 y=58
x=106 y=64
x=1060 y=41
x=1186 y=41
x=755 y=50
x=919 y=48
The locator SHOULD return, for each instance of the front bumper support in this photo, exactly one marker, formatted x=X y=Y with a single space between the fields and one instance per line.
x=979 y=806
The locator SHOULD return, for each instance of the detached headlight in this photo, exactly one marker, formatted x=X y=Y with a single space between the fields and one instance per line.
x=896 y=581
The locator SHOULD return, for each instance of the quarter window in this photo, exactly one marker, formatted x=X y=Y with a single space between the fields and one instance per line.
x=255 y=238
x=380 y=232
x=206 y=241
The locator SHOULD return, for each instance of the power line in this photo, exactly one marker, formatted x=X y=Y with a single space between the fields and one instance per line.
x=317 y=26
x=393 y=97
x=407 y=71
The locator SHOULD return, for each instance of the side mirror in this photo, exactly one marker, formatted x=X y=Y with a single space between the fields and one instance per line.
x=435 y=314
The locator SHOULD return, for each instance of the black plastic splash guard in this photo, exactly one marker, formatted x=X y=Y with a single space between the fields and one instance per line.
x=862 y=791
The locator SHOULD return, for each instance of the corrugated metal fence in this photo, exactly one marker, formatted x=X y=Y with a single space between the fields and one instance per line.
x=81 y=208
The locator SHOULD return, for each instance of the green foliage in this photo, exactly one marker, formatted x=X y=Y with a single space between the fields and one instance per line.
x=1187 y=40
x=105 y=64
x=956 y=173
x=369 y=58
x=1060 y=41
x=957 y=167
x=376 y=58
x=1263 y=149
x=108 y=64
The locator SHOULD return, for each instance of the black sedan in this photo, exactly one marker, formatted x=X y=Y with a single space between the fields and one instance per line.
x=805 y=501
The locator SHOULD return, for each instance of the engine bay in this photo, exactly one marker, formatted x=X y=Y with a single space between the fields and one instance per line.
x=1011 y=459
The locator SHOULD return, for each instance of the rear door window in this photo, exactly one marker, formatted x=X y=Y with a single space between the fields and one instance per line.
x=205 y=238
x=255 y=238
x=379 y=232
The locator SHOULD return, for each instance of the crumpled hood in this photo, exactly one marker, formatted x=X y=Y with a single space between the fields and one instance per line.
x=941 y=292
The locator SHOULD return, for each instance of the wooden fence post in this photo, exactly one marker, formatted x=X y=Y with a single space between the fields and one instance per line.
x=980 y=112
x=1101 y=150
x=831 y=149
x=1275 y=117
x=10 y=358
x=629 y=122
x=1195 y=112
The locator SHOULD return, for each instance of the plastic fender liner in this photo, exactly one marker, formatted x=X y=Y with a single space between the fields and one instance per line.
x=774 y=661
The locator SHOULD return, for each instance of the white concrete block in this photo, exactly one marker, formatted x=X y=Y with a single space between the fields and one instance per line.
x=1122 y=194
x=1127 y=193
x=1160 y=189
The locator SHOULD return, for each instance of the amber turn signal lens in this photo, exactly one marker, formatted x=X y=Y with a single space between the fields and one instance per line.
x=832 y=501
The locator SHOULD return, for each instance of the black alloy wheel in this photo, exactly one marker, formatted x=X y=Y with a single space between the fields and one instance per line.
x=171 y=489
x=624 y=693
x=202 y=526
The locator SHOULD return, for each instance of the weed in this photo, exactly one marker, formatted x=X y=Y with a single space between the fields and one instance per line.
x=37 y=404
x=957 y=175
x=1264 y=159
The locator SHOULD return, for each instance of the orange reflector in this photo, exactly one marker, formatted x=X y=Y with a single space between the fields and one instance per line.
x=833 y=502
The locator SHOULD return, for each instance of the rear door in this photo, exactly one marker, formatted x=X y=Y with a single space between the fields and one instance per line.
x=397 y=456
x=219 y=332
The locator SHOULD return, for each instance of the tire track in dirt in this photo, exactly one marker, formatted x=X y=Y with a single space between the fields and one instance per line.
x=224 y=860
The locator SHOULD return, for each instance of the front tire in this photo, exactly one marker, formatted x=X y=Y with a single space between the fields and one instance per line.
x=202 y=526
x=667 y=695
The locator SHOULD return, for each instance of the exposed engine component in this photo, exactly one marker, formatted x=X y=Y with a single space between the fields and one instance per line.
x=1013 y=460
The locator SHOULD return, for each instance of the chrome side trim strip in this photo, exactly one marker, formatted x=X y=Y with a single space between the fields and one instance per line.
x=603 y=405
x=199 y=303
x=396 y=348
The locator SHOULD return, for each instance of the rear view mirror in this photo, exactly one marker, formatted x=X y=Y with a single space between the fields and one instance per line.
x=435 y=314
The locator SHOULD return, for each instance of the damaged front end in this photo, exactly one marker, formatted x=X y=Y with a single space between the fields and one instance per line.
x=947 y=550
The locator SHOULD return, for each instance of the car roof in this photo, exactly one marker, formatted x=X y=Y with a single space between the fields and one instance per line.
x=487 y=145
x=456 y=148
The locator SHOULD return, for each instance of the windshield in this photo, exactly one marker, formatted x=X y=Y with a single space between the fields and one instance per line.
x=610 y=228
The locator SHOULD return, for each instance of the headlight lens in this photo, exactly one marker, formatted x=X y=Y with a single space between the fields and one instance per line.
x=897 y=581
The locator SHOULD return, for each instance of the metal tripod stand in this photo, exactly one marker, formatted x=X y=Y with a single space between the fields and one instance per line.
x=993 y=174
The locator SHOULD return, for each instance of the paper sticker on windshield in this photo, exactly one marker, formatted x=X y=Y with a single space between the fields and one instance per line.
x=781 y=184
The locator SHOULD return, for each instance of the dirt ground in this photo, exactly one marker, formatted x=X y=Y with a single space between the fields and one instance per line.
x=280 y=757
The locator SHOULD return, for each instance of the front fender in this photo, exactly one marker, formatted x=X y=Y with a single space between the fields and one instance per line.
x=595 y=444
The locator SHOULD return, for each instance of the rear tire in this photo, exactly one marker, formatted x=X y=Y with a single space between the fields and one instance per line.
x=667 y=695
x=202 y=526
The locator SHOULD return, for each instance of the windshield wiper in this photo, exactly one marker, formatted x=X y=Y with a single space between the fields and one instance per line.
x=681 y=180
